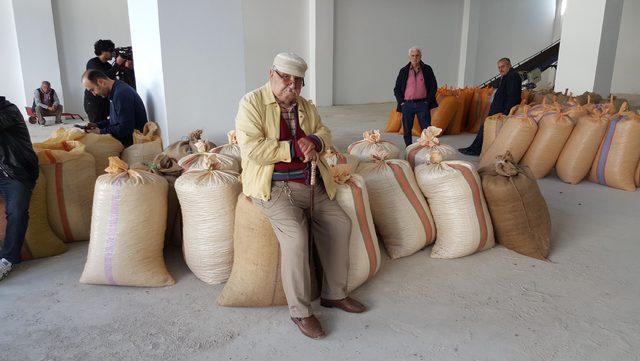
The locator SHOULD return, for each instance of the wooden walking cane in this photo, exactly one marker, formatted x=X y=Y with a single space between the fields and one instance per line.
x=313 y=253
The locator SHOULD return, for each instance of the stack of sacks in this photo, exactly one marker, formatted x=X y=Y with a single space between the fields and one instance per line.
x=467 y=99
x=606 y=107
x=638 y=175
x=445 y=113
x=540 y=95
x=400 y=212
x=39 y=241
x=578 y=153
x=480 y=105
x=100 y=146
x=492 y=126
x=588 y=97
x=208 y=190
x=352 y=196
x=455 y=126
x=554 y=128
x=420 y=152
x=394 y=124
x=619 y=153
x=183 y=148
x=454 y=192
x=167 y=167
x=231 y=149
x=70 y=175
x=516 y=135
x=255 y=279
x=518 y=210
x=573 y=110
x=127 y=229
x=534 y=111
x=371 y=145
x=146 y=145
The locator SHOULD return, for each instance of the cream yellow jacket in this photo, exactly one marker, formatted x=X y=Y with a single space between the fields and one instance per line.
x=258 y=132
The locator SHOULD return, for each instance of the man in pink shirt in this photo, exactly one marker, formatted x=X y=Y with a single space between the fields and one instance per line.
x=415 y=93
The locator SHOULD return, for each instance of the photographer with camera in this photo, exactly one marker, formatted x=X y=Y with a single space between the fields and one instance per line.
x=126 y=74
x=97 y=108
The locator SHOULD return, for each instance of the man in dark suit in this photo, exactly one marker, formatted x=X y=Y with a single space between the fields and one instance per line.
x=415 y=93
x=506 y=97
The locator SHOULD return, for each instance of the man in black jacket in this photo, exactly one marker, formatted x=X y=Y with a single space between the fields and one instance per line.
x=415 y=93
x=18 y=175
x=97 y=108
x=506 y=97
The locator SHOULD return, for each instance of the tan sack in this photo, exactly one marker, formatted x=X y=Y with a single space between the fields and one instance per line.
x=518 y=210
x=70 y=174
x=618 y=155
x=578 y=153
x=347 y=162
x=638 y=175
x=553 y=131
x=127 y=229
x=399 y=210
x=372 y=145
x=208 y=191
x=183 y=148
x=364 y=251
x=255 y=279
x=420 y=151
x=146 y=145
x=492 y=126
x=231 y=149
x=454 y=192
x=39 y=241
x=516 y=135
x=100 y=146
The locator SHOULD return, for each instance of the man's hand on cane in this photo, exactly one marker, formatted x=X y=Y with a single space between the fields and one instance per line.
x=308 y=149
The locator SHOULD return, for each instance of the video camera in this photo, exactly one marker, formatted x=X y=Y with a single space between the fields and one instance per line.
x=125 y=52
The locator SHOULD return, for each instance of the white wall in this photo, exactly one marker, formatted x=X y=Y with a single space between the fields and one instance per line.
x=78 y=24
x=264 y=36
x=513 y=29
x=372 y=38
x=626 y=76
x=11 y=85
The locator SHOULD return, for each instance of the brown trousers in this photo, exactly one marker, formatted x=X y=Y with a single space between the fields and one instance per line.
x=331 y=228
x=43 y=112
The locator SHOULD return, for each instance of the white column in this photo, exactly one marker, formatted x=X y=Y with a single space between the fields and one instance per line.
x=195 y=55
x=468 y=43
x=321 y=51
x=11 y=84
x=588 y=47
x=36 y=37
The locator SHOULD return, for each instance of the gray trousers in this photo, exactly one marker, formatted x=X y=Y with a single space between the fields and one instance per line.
x=42 y=112
x=331 y=230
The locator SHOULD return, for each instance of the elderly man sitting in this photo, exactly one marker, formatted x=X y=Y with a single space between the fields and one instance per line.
x=46 y=103
x=280 y=134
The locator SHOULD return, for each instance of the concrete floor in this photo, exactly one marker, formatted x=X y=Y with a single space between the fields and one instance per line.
x=496 y=305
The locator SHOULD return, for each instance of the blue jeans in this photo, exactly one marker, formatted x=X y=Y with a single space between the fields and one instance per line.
x=17 y=196
x=409 y=110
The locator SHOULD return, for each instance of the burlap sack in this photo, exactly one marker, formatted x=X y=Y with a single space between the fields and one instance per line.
x=588 y=97
x=618 y=155
x=578 y=153
x=70 y=175
x=553 y=131
x=127 y=229
x=518 y=210
x=455 y=126
x=146 y=145
x=454 y=192
x=638 y=175
x=100 y=146
x=182 y=148
x=480 y=106
x=399 y=210
x=516 y=135
x=348 y=163
x=208 y=192
x=255 y=279
x=492 y=126
x=371 y=145
x=231 y=149
x=445 y=112
x=39 y=241
x=395 y=121
x=420 y=151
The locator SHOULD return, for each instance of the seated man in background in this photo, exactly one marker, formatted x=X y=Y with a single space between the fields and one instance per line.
x=126 y=110
x=46 y=103
x=506 y=97
x=18 y=175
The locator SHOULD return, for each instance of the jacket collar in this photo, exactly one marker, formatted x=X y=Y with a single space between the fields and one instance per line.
x=269 y=99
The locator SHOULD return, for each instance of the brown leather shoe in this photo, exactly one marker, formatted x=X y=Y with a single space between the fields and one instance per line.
x=309 y=326
x=347 y=304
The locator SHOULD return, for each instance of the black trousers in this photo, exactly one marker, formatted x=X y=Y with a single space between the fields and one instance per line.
x=96 y=107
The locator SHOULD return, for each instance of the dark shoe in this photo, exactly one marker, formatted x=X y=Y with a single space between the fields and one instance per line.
x=469 y=151
x=347 y=304
x=309 y=326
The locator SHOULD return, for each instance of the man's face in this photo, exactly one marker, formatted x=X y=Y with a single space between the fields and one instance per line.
x=414 y=57
x=45 y=88
x=107 y=55
x=285 y=87
x=503 y=67
x=98 y=89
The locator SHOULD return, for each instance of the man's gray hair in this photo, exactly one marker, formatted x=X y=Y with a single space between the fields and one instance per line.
x=506 y=60
x=45 y=82
x=415 y=48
